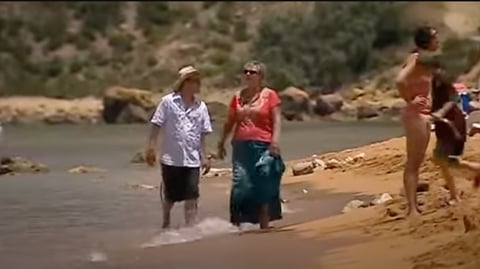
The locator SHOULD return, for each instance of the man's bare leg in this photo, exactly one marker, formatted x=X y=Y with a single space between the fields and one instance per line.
x=449 y=180
x=167 y=208
x=191 y=208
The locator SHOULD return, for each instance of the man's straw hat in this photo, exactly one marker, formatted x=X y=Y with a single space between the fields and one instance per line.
x=183 y=74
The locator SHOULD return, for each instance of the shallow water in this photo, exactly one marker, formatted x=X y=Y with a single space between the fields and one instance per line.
x=56 y=219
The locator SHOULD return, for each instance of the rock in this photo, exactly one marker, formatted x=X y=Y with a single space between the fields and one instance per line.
x=136 y=105
x=381 y=199
x=134 y=114
x=295 y=104
x=367 y=112
x=217 y=172
x=303 y=168
x=359 y=157
x=392 y=107
x=332 y=164
x=317 y=163
x=354 y=204
x=85 y=169
x=20 y=165
x=328 y=104
x=139 y=157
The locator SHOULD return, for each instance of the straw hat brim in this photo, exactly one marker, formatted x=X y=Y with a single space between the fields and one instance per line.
x=181 y=79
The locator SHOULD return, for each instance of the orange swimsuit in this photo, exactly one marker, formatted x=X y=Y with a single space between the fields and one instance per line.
x=418 y=87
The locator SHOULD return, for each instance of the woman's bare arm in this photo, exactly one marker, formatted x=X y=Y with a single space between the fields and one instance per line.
x=227 y=129
x=401 y=79
x=277 y=124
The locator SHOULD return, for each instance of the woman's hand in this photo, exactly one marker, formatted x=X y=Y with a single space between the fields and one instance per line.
x=206 y=165
x=274 y=149
x=221 y=152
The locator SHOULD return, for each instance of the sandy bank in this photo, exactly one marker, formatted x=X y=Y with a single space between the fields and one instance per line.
x=439 y=239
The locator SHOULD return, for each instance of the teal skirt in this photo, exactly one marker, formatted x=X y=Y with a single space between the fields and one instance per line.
x=251 y=187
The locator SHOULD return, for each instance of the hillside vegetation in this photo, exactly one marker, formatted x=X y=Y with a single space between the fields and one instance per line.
x=71 y=49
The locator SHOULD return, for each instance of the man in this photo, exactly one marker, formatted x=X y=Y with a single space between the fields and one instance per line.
x=184 y=122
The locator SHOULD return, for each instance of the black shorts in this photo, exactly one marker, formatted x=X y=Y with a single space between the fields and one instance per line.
x=180 y=183
x=443 y=149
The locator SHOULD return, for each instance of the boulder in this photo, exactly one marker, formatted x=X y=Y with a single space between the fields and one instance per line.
x=295 y=103
x=139 y=157
x=20 y=165
x=303 y=168
x=328 y=104
x=367 y=112
x=354 y=204
x=381 y=199
x=123 y=105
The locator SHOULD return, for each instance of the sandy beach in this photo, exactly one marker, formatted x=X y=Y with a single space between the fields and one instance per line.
x=444 y=237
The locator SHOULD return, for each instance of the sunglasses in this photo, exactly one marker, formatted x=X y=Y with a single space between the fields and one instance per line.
x=250 y=72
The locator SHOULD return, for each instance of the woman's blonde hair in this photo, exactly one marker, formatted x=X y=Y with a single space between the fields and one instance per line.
x=255 y=65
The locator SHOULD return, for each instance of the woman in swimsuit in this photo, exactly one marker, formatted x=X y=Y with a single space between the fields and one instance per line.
x=414 y=84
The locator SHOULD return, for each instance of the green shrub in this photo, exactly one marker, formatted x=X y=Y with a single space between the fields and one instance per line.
x=208 y=4
x=240 y=33
x=76 y=66
x=53 y=68
x=219 y=57
x=151 y=61
x=97 y=16
x=225 y=12
x=459 y=55
x=330 y=46
x=219 y=27
x=80 y=41
x=218 y=42
x=49 y=24
x=121 y=43
x=154 y=17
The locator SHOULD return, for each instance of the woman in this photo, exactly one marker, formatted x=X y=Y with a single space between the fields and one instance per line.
x=414 y=83
x=254 y=117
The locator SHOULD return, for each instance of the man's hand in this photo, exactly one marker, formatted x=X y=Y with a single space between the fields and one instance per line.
x=206 y=165
x=150 y=156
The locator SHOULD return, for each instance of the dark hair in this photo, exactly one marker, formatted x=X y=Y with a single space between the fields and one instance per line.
x=423 y=36
x=442 y=88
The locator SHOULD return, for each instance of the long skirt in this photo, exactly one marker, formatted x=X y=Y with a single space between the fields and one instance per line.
x=251 y=189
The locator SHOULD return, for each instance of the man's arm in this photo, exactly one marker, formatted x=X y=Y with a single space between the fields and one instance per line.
x=440 y=113
x=156 y=123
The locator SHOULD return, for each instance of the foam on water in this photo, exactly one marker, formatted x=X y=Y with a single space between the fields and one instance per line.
x=97 y=257
x=206 y=228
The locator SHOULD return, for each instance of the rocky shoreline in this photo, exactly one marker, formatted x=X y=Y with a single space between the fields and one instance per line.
x=125 y=105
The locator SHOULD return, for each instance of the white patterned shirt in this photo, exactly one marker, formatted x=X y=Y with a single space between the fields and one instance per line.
x=182 y=129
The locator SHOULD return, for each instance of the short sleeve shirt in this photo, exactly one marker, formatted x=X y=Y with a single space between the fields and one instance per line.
x=254 y=121
x=182 y=129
